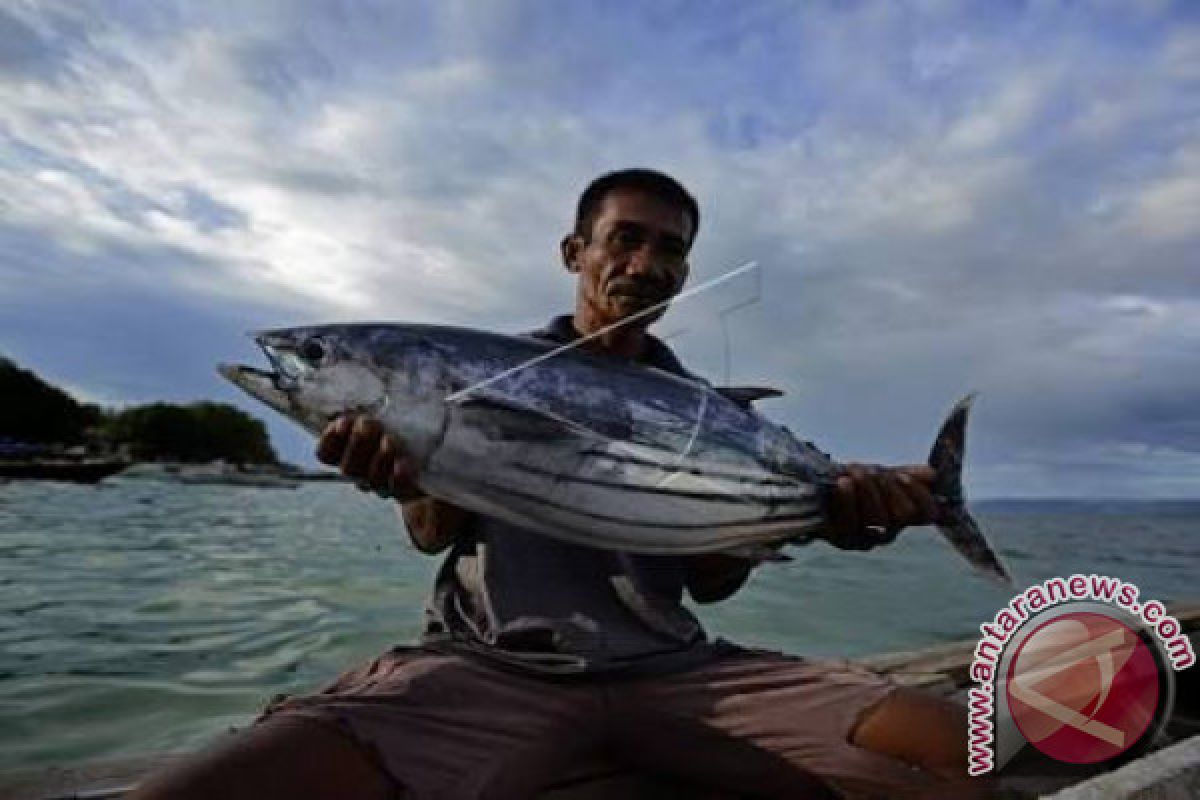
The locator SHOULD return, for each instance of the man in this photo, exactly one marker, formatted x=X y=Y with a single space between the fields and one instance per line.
x=538 y=653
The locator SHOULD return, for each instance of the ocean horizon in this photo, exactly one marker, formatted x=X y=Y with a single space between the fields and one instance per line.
x=142 y=616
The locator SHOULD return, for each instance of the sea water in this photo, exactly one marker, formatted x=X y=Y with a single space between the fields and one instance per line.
x=143 y=616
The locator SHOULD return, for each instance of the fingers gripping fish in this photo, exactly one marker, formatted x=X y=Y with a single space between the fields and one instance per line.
x=581 y=446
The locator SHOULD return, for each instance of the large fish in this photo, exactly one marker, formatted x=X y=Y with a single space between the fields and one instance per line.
x=585 y=447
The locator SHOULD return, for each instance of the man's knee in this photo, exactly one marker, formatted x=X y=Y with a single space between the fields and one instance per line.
x=919 y=728
x=285 y=757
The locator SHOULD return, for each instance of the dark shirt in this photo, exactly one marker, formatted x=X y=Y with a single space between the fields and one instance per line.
x=527 y=601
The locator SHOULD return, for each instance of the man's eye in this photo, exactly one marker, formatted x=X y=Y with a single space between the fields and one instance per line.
x=627 y=238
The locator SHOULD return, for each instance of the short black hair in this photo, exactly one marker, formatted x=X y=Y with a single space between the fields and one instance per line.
x=645 y=180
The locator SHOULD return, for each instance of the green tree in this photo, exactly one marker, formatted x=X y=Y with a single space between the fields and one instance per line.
x=32 y=410
x=193 y=433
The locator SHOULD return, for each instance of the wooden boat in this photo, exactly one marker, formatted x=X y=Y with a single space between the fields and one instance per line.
x=232 y=477
x=73 y=470
x=942 y=669
x=215 y=474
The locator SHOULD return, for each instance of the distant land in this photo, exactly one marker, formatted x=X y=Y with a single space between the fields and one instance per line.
x=39 y=416
x=38 y=413
x=1093 y=505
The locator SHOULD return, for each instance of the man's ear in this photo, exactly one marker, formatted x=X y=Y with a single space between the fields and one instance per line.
x=571 y=247
x=683 y=275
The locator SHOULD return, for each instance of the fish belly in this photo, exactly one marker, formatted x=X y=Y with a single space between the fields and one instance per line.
x=617 y=495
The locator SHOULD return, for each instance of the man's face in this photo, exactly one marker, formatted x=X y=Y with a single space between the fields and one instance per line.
x=636 y=256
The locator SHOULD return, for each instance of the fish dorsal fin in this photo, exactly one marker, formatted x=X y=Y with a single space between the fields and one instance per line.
x=745 y=395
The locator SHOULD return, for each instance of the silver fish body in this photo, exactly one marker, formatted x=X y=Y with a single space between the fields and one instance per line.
x=580 y=446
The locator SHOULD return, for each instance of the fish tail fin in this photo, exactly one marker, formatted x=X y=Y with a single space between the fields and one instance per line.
x=956 y=523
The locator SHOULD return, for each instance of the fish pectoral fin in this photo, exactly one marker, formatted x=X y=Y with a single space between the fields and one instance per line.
x=485 y=397
x=745 y=395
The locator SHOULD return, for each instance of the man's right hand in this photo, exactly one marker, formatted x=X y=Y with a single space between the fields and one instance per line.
x=872 y=504
x=377 y=461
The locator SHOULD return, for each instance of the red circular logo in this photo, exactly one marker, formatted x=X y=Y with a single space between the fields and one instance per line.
x=1083 y=687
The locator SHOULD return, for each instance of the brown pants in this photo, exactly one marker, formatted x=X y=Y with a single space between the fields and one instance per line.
x=756 y=723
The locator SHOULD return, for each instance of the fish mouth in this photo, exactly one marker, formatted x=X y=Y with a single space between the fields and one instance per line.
x=280 y=352
x=276 y=387
x=261 y=384
x=269 y=386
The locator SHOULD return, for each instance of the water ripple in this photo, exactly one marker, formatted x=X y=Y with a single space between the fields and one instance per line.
x=139 y=616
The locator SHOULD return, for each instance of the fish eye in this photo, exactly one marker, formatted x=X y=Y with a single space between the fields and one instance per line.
x=312 y=351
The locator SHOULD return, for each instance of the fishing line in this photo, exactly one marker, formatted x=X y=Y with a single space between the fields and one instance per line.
x=461 y=393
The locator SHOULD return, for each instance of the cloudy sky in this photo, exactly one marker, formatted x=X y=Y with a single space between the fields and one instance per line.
x=943 y=197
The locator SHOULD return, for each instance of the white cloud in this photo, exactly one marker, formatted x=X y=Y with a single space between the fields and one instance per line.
x=940 y=203
x=995 y=121
x=1169 y=207
x=1181 y=55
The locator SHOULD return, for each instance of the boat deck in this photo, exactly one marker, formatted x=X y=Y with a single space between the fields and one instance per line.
x=1171 y=772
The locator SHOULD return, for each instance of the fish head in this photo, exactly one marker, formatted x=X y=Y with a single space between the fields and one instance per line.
x=320 y=373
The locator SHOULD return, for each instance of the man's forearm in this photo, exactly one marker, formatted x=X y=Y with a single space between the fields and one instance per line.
x=432 y=524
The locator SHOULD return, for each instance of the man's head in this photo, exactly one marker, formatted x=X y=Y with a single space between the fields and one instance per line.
x=633 y=231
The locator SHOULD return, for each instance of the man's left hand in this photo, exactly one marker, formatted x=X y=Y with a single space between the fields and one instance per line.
x=872 y=504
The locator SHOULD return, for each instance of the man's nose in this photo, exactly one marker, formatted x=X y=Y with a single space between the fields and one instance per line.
x=644 y=260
